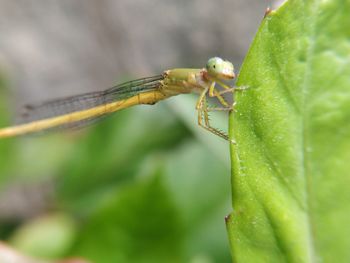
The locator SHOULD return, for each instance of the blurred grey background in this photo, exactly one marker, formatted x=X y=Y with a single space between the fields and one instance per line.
x=56 y=48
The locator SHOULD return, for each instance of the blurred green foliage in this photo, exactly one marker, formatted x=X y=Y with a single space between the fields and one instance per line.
x=47 y=236
x=138 y=187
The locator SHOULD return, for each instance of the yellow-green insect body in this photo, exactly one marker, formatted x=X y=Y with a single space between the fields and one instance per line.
x=186 y=80
x=84 y=108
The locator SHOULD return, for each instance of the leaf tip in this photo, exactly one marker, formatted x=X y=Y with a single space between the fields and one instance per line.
x=268 y=11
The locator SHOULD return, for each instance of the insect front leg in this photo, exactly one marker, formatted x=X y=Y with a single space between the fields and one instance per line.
x=204 y=115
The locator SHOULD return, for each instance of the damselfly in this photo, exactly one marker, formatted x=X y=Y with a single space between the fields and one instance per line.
x=82 y=109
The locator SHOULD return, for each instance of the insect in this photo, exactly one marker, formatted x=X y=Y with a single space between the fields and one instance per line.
x=79 y=110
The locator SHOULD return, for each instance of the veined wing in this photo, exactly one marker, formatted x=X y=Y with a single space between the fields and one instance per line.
x=90 y=100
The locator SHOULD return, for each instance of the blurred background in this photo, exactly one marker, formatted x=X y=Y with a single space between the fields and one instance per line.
x=145 y=185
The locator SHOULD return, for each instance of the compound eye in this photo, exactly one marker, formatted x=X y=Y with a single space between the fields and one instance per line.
x=218 y=68
x=213 y=64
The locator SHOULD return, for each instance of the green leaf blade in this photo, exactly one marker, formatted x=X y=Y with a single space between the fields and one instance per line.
x=290 y=174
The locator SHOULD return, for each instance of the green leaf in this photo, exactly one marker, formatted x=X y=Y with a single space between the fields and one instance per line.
x=291 y=163
x=6 y=146
x=139 y=224
x=163 y=216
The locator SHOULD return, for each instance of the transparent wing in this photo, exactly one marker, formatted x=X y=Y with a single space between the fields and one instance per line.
x=87 y=101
